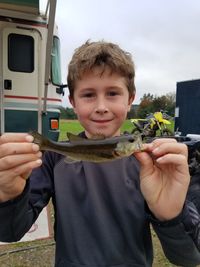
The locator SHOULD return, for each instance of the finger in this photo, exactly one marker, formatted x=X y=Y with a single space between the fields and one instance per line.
x=11 y=161
x=15 y=137
x=148 y=147
x=26 y=175
x=172 y=159
x=159 y=141
x=146 y=163
x=142 y=157
x=17 y=148
x=178 y=161
x=22 y=170
x=171 y=147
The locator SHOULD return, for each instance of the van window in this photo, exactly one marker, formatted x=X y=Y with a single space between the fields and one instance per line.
x=20 y=53
x=56 y=62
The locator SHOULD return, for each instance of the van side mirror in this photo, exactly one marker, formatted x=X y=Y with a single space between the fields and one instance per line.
x=60 y=89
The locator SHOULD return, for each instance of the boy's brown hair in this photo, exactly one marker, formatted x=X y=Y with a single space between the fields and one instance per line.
x=101 y=54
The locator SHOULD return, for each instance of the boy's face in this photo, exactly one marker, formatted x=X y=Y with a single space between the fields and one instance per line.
x=101 y=102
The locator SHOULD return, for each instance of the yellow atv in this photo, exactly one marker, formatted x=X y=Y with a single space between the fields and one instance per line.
x=154 y=125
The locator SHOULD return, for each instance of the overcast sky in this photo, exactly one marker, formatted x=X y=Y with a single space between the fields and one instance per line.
x=162 y=36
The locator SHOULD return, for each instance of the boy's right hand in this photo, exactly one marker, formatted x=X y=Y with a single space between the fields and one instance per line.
x=18 y=157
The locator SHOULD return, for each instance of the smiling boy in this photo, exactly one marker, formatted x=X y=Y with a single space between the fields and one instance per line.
x=103 y=211
x=101 y=102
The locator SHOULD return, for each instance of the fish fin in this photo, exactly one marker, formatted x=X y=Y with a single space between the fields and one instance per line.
x=138 y=140
x=73 y=138
x=137 y=135
x=98 y=137
x=69 y=160
x=42 y=141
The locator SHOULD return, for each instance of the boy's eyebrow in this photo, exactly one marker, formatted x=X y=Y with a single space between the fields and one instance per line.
x=114 y=87
x=93 y=88
x=118 y=88
x=87 y=89
x=106 y=90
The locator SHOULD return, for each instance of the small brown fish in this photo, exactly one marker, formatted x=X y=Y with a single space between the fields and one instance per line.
x=93 y=150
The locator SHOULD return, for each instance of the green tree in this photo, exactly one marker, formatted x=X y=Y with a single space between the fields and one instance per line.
x=145 y=106
x=150 y=104
x=133 y=112
x=171 y=103
x=67 y=113
x=159 y=103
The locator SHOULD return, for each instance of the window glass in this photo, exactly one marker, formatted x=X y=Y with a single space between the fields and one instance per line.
x=20 y=53
x=56 y=62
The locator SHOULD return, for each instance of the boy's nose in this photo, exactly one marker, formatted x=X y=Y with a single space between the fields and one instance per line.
x=101 y=108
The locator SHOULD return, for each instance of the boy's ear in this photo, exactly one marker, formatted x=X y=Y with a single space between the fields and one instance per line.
x=130 y=101
x=72 y=102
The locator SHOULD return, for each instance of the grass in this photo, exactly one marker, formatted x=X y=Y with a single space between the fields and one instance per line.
x=41 y=253
x=73 y=126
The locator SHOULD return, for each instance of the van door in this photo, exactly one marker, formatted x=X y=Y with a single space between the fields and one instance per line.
x=21 y=98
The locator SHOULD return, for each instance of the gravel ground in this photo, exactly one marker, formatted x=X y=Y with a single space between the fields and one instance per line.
x=28 y=254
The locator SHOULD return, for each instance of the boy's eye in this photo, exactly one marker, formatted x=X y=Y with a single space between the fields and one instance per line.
x=88 y=95
x=113 y=93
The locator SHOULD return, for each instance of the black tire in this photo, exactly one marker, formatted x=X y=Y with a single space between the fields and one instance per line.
x=136 y=131
x=150 y=133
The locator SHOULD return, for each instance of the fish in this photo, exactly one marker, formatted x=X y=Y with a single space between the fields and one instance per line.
x=96 y=150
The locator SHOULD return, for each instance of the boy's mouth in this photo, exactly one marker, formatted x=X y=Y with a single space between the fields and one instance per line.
x=102 y=121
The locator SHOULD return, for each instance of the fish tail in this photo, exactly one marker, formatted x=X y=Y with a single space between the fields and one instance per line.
x=38 y=139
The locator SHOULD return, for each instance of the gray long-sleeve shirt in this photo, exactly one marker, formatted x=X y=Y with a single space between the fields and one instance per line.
x=101 y=217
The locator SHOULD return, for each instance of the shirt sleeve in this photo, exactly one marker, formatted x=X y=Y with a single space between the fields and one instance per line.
x=180 y=237
x=10 y=212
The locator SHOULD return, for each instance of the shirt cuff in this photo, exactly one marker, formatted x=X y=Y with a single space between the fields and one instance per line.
x=183 y=217
x=18 y=198
x=189 y=218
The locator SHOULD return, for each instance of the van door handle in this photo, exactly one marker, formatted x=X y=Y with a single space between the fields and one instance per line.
x=7 y=84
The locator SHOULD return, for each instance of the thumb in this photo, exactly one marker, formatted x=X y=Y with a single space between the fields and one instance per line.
x=146 y=163
x=26 y=175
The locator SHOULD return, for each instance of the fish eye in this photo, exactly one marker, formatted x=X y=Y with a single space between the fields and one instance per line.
x=131 y=140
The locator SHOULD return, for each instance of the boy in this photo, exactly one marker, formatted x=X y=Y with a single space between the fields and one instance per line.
x=102 y=210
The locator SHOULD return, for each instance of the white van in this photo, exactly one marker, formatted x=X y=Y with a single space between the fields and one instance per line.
x=30 y=71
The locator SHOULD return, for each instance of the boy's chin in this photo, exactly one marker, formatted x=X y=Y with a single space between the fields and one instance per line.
x=101 y=134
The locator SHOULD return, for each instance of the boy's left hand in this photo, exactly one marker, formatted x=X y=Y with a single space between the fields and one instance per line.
x=164 y=177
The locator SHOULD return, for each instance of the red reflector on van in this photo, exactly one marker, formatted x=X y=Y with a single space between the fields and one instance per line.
x=54 y=124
